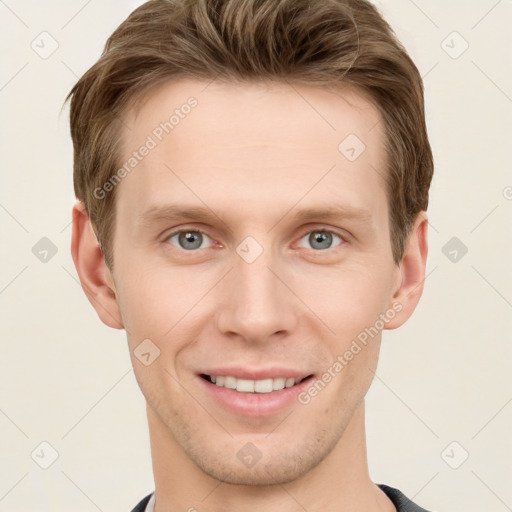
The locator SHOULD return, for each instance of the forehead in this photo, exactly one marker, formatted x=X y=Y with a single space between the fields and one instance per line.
x=264 y=107
x=213 y=141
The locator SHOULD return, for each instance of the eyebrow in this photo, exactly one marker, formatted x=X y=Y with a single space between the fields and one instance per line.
x=174 y=212
x=334 y=212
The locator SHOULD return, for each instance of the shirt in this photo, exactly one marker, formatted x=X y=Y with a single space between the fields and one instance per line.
x=399 y=500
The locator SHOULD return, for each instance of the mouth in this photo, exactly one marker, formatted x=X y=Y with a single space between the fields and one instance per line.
x=256 y=398
x=268 y=385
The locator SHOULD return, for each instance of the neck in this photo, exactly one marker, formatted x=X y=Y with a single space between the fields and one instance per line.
x=340 y=483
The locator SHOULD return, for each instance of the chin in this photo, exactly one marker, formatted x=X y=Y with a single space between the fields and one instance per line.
x=271 y=473
x=278 y=463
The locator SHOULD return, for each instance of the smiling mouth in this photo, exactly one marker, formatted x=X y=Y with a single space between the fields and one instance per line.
x=253 y=386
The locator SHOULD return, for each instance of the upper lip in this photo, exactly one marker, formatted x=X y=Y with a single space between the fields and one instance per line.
x=256 y=373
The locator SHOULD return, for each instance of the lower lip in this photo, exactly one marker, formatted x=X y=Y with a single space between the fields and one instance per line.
x=254 y=404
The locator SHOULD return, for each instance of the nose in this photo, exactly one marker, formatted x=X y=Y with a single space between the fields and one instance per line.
x=257 y=303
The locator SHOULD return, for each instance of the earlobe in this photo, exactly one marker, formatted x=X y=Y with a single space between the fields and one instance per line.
x=92 y=270
x=411 y=272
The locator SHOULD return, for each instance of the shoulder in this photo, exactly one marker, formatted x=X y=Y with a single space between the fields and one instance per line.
x=401 y=502
x=141 y=506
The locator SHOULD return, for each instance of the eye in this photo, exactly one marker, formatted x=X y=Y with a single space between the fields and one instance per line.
x=321 y=239
x=189 y=240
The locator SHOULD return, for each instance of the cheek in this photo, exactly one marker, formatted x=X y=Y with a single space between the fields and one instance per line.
x=158 y=302
x=347 y=300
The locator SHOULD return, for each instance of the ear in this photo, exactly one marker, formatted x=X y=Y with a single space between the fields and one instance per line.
x=410 y=273
x=97 y=281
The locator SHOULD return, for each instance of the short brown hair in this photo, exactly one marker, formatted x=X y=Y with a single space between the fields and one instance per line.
x=313 y=42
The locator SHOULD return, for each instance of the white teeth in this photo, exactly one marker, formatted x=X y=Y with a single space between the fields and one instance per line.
x=254 y=386
x=263 y=386
x=278 y=383
x=245 y=385
x=289 y=383
x=230 y=382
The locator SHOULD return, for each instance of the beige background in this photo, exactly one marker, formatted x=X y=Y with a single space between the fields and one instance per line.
x=66 y=379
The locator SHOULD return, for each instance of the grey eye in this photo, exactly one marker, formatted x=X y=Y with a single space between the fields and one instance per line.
x=188 y=240
x=321 y=239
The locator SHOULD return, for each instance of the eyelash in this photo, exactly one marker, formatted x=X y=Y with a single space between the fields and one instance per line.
x=317 y=230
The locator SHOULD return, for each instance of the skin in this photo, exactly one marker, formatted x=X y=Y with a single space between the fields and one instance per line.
x=254 y=154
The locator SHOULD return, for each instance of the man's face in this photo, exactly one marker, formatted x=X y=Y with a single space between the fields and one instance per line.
x=255 y=290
